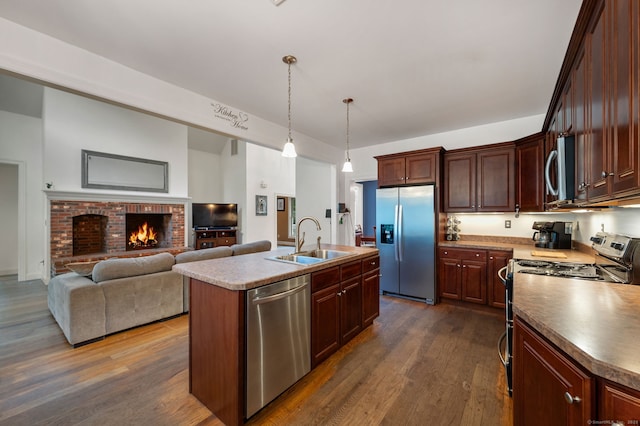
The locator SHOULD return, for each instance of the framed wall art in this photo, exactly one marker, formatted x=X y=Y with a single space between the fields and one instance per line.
x=110 y=171
x=261 y=205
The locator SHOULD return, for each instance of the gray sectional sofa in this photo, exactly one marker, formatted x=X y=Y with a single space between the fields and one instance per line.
x=122 y=293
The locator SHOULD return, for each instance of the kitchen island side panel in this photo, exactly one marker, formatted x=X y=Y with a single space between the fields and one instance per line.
x=216 y=350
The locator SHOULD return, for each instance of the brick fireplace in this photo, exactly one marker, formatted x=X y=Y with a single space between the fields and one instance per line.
x=82 y=231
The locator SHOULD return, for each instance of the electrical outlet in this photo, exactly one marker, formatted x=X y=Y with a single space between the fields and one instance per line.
x=507 y=224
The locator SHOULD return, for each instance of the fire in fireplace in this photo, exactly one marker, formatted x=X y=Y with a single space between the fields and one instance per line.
x=147 y=231
x=145 y=237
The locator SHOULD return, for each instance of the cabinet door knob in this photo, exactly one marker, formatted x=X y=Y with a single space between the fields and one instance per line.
x=477 y=254
x=572 y=399
x=464 y=266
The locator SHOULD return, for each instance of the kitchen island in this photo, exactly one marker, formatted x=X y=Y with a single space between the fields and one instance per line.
x=217 y=322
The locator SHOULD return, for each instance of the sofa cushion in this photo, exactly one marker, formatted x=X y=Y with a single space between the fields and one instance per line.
x=130 y=267
x=254 y=247
x=205 y=254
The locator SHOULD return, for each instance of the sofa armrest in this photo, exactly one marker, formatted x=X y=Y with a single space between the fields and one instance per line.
x=78 y=305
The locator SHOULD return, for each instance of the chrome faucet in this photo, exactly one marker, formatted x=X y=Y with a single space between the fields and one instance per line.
x=300 y=241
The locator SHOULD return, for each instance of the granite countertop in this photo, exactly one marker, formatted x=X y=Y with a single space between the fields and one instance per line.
x=254 y=270
x=524 y=250
x=595 y=323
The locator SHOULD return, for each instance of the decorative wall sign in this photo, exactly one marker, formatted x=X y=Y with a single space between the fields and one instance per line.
x=261 y=205
x=111 y=171
x=236 y=119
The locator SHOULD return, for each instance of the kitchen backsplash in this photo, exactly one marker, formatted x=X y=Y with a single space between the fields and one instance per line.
x=585 y=224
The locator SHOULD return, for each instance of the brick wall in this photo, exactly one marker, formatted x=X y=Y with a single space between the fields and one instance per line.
x=115 y=238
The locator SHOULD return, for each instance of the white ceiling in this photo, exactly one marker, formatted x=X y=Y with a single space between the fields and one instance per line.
x=414 y=67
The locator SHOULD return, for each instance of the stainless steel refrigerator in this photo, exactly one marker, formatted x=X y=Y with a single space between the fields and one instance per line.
x=406 y=239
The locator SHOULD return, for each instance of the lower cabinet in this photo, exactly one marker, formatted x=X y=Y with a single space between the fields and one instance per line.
x=617 y=404
x=551 y=388
x=370 y=290
x=497 y=259
x=343 y=303
x=470 y=275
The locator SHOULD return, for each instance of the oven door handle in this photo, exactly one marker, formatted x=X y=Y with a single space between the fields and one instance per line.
x=502 y=357
x=503 y=278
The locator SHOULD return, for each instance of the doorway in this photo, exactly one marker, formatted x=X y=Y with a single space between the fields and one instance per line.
x=10 y=214
x=286 y=220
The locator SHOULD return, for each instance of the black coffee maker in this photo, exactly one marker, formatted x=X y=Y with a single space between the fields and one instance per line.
x=552 y=235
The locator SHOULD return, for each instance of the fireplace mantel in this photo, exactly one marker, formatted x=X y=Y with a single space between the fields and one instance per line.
x=113 y=197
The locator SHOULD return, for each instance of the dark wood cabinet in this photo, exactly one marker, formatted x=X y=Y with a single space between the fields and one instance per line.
x=336 y=308
x=548 y=387
x=463 y=274
x=496 y=260
x=409 y=168
x=370 y=290
x=480 y=180
x=214 y=238
x=460 y=182
x=617 y=403
x=350 y=300
x=600 y=102
x=530 y=189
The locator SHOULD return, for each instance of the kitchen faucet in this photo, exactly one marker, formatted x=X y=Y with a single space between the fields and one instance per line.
x=300 y=241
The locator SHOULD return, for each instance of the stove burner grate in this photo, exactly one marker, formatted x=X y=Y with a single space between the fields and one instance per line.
x=534 y=263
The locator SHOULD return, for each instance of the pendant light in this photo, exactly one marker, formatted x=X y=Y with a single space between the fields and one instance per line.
x=289 y=149
x=347 y=167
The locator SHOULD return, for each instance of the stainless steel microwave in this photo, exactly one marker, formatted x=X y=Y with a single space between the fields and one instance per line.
x=562 y=160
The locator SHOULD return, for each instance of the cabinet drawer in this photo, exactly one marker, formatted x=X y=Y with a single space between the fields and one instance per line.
x=350 y=270
x=325 y=278
x=225 y=241
x=226 y=234
x=463 y=254
x=370 y=264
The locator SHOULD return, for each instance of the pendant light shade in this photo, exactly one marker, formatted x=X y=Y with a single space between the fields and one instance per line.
x=289 y=149
x=347 y=167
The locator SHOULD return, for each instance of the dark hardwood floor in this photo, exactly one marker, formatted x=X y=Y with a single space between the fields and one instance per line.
x=416 y=365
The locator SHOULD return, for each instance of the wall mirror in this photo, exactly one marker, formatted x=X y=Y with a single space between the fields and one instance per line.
x=110 y=171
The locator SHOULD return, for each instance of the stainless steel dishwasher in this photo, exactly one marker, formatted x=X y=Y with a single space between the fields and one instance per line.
x=278 y=339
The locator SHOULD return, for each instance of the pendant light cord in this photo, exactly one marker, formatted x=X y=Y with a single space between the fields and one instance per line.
x=289 y=112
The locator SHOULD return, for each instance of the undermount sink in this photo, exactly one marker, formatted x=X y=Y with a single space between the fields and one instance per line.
x=310 y=257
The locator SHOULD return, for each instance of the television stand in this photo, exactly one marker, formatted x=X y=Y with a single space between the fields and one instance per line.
x=210 y=238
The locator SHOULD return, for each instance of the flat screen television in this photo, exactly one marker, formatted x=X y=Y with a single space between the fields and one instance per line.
x=214 y=215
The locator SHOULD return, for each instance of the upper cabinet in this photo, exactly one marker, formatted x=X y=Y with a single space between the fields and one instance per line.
x=530 y=155
x=480 y=180
x=409 y=168
x=597 y=100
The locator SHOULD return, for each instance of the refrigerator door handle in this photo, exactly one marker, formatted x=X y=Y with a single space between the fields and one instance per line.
x=397 y=236
x=400 y=234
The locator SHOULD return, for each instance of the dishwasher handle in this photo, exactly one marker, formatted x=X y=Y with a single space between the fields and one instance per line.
x=278 y=296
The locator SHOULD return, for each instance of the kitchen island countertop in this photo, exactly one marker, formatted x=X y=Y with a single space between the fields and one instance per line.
x=255 y=269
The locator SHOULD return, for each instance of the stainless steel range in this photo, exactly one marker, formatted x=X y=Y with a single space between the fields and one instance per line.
x=616 y=259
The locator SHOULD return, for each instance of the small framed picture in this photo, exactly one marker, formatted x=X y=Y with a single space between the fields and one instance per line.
x=261 y=205
x=281 y=202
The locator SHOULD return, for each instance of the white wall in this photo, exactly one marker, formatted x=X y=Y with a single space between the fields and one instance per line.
x=314 y=181
x=266 y=167
x=234 y=181
x=9 y=218
x=73 y=123
x=205 y=177
x=21 y=143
